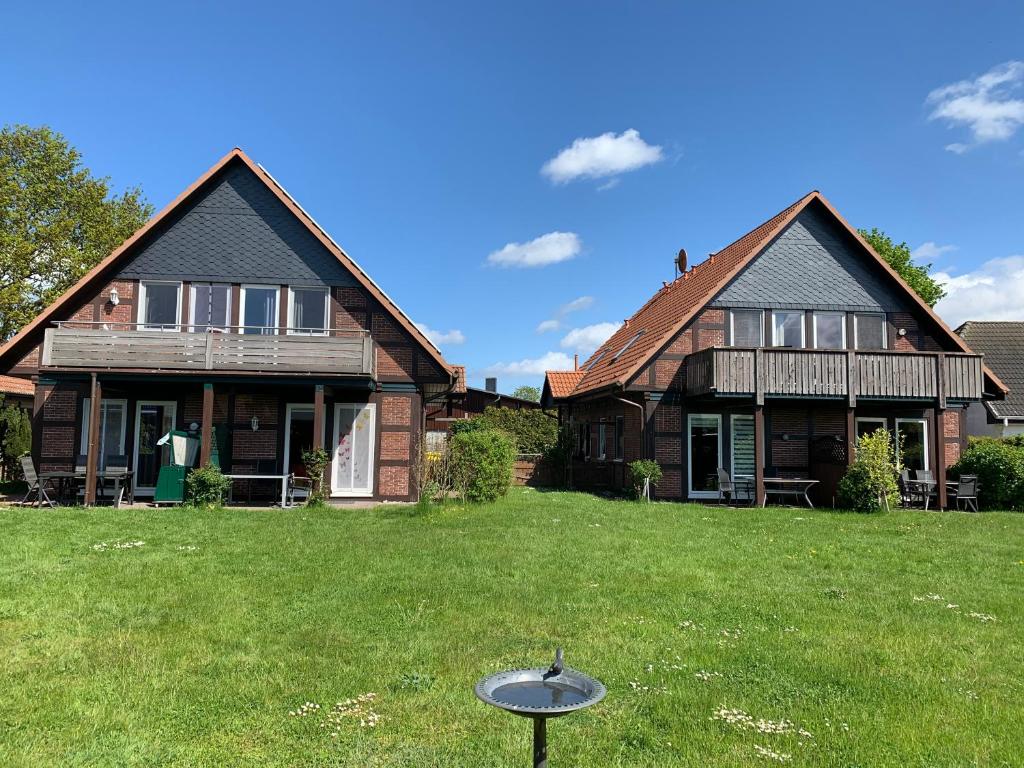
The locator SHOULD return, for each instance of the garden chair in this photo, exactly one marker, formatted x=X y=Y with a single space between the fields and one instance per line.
x=301 y=486
x=28 y=469
x=726 y=489
x=116 y=472
x=967 y=492
x=907 y=494
x=926 y=492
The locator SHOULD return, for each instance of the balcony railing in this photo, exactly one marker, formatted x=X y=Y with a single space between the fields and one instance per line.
x=844 y=374
x=128 y=346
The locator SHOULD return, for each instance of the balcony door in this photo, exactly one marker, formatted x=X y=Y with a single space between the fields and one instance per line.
x=153 y=420
x=352 y=465
x=704 y=441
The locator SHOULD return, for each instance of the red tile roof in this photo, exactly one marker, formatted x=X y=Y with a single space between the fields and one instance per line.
x=562 y=383
x=676 y=303
x=12 y=385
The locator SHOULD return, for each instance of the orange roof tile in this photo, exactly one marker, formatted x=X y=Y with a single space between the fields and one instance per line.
x=562 y=383
x=12 y=385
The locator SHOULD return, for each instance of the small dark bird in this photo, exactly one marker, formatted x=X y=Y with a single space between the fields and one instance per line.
x=558 y=665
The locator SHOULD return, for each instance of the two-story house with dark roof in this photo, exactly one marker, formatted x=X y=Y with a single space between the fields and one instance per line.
x=768 y=359
x=231 y=315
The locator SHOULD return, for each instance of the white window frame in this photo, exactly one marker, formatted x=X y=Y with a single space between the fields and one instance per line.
x=803 y=327
x=841 y=315
x=602 y=435
x=192 y=306
x=142 y=325
x=732 y=325
x=171 y=407
x=926 y=452
x=241 y=306
x=86 y=417
x=337 y=492
x=292 y=329
x=885 y=328
x=289 y=409
x=881 y=421
x=689 y=455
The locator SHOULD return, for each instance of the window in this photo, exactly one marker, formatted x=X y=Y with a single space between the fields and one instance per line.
x=743 y=464
x=627 y=345
x=112 y=425
x=307 y=311
x=210 y=307
x=620 y=438
x=869 y=330
x=601 y=435
x=788 y=329
x=747 y=327
x=259 y=309
x=829 y=330
x=865 y=425
x=705 y=454
x=159 y=306
x=913 y=435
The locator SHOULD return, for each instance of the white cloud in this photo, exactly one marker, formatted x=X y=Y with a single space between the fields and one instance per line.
x=442 y=338
x=601 y=156
x=930 y=251
x=551 y=361
x=610 y=184
x=583 y=302
x=539 y=252
x=991 y=292
x=588 y=338
x=984 y=105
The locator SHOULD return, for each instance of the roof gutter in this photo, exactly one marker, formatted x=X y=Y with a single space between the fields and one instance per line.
x=643 y=428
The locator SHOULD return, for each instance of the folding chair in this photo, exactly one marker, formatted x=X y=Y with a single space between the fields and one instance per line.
x=28 y=469
x=967 y=492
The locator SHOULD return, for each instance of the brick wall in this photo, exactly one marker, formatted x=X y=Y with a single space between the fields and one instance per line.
x=249 y=446
x=398 y=436
x=55 y=431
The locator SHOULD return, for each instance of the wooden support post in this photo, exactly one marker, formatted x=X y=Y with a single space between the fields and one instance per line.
x=92 y=454
x=318 y=416
x=851 y=436
x=940 y=457
x=760 y=374
x=758 y=454
x=206 y=441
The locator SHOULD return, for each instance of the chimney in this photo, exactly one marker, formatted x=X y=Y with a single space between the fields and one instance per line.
x=576 y=362
x=491 y=384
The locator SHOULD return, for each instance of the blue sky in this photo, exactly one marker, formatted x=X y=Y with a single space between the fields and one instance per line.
x=428 y=138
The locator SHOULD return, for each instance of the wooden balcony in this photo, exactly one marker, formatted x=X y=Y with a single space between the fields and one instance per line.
x=840 y=374
x=130 y=348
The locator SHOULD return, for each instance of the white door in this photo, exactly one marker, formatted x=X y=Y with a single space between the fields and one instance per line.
x=352 y=466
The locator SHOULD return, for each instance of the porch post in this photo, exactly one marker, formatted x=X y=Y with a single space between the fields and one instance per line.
x=92 y=462
x=939 y=428
x=851 y=436
x=318 y=416
x=758 y=454
x=206 y=446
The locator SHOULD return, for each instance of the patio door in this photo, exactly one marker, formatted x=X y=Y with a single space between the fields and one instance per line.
x=704 y=440
x=298 y=436
x=352 y=466
x=153 y=420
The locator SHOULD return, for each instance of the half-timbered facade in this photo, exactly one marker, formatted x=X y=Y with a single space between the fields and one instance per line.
x=768 y=359
x=232 y=315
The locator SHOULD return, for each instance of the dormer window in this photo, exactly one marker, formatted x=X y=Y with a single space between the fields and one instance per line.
x=747 y=327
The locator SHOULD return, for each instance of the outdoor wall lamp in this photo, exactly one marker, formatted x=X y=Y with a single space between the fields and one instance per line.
x=255 y=424
x=115 y=297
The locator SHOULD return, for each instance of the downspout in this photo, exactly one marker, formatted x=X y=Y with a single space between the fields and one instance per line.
x=643 y=429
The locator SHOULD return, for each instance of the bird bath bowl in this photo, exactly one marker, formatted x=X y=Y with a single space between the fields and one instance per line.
x=540 y=693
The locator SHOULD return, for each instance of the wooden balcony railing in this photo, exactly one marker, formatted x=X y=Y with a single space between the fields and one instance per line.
x=129 y=347
x=846 y=374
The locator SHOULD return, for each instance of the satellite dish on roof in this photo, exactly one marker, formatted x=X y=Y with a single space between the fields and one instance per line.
x=681 y=261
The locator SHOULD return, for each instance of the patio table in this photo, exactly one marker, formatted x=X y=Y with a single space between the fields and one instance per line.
x=67 y=480
x=282 y=478
x=922 y=488
x=784 y=486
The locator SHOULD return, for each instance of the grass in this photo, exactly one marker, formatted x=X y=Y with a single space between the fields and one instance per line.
x=192 y=649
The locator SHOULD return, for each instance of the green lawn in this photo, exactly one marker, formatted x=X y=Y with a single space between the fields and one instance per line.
x=889 y=640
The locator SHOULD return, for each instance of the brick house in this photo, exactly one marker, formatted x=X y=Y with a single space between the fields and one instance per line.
x=767 y=359
x=465 y=402
x=1002 y=344
x=233 y=314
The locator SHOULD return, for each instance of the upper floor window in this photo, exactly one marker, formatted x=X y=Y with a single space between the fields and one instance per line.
x=159 y=305
x=869 y=330
x=259 y=309
x=307 y=310
x=788 y=329
x=830 y=330
x=747 y=327
x=210 y=307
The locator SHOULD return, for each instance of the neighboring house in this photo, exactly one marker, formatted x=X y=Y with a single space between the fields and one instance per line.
x=1002 y=344
x=232 y=313
x=16 y=390
x=769 y=358
x=466 y=402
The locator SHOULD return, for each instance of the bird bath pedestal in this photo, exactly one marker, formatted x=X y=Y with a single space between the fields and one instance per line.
x=540 y=693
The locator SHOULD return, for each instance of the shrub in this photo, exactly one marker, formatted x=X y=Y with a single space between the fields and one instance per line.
x=15 y=437
x=315 y=462
x=533 y=430
x=869 y=485
x=645 y=473
x=206 y=487
x=999 y=465
x=483 y=461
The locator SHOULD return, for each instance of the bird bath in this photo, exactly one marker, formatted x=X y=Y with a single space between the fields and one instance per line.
x=541 y=693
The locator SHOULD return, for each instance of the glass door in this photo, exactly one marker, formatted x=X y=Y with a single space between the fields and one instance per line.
x=298 y=437
x=705 y=454
x=914 y=440
x=352 y=471
x=153 y=420
x=743 y=463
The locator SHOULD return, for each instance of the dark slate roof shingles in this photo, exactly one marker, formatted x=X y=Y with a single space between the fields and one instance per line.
x=1002 y=344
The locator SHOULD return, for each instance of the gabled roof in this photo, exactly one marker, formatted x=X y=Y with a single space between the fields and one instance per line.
x=614 y=365
x=561 y=384
x=27 y=337
x=12 y=385
x=1002 y=344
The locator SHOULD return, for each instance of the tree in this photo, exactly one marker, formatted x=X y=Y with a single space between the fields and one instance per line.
x=526 y=392
x=57 y=221
x=15 y=436
x=900 y=259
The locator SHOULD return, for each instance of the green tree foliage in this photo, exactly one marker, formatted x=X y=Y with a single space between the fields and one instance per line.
x=869 y=485
x=56 y=221
x=15 y=435
x=899 y=258
x=482 y=461
x=533 y=430
x=999 y=465
x=526 y=392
